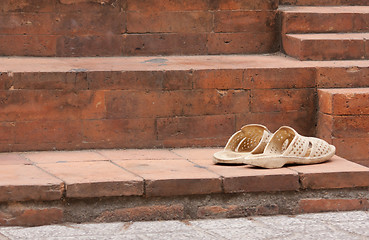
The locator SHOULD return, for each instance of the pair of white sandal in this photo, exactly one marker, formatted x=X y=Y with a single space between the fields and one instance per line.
x=255 y=145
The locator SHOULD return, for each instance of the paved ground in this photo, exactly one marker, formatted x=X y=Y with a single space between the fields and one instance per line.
x=339 y=225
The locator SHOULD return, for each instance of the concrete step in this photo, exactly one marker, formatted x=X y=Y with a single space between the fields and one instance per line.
x=325 y=2
x=343 y=120
x=146 y=102
x=38 y=188
x=327 y=46
x=324 y=19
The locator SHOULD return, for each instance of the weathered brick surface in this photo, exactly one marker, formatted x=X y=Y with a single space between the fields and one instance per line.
x=126 y=27
x=181 y=177
x=98 y=179
x=245 y=21
x=325 y=205
x=355 y=149
x=18 y=215
x=27 y=183
x=220 y=211
x=297 y=22
x=282 y=100
x=347 y=101
x=148 y=213
x=345 y=77
x=336 y=173
x=322 y=48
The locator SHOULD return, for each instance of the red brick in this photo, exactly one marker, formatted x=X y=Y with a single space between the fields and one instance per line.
x=164 y=44
x=119 y=133
x=302 y=121
x=133 y=104
x=284 y=100
x=6 y=80
x=301 y=22
x=216 y=211
x=325 y=127
x=243 y=5
x=335 y=174
x=291 y=46
x=352 y=148
x=238 y=179
x=125 y=80
x=173 y=177
x=325 y=205
x=245 y=21
x=89 y=23
x=194 y=142
x=50 y=80
x=27 y=6
x=167 y=5
x=26 y=23
x=347 y=101
x=219 y=79
x=179 y=22
x=26 y=183
x=51 y=105
x=18 y=215
x=81 y=46
x=89 y=5
x=7 y=132
x=98 y=179
x=28 y=45
x=267 y=209
x=350 y=126
x=342 y=77
x=179 y=80
x=144 y=213
x=269 y=78
x=195 y=127
x=242 y=42
x=36 y=132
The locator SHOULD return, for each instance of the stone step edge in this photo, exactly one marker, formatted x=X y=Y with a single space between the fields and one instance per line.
x=183 y=208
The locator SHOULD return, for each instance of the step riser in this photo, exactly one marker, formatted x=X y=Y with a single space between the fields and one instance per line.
x=126 y=28
x=324 y=49
x=342 y=120
x=163 y=108
x=324 y=22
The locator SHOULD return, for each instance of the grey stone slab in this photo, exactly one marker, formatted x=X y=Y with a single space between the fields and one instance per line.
x=225 y=223
x=292 y=224
x=326 y=235
x=156 y=227
x=182 y=235
x=337 y=216
x=359 y=228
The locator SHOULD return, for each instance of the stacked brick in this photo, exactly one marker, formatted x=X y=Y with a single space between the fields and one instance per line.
x=137 y=27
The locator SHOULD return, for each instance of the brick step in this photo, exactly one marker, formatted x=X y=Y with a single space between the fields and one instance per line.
x=38 y=188
x=343 y=120
x=325 y=2
x=327 y=46
x=145 y=102
x=323 y=19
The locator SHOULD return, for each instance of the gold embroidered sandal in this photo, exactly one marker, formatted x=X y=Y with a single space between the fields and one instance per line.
x=288 y=147
x=251 y=139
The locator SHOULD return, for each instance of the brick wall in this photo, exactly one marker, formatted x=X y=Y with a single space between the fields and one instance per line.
x=137 y=27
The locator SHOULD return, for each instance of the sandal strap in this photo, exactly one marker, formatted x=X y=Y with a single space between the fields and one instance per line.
x=251 y=137
x=319 y=147
x=298 y=147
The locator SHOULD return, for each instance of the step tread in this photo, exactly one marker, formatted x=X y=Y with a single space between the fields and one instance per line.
x=325 y=9
x=161 y=172
x=153 y=63
x=330 y=36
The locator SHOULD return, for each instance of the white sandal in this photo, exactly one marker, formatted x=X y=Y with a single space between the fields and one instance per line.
x=251 y=139
x=288 y=147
